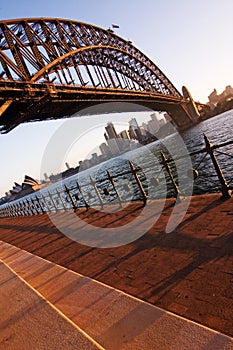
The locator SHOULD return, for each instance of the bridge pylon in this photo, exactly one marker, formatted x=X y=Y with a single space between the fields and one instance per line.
x=191 y=107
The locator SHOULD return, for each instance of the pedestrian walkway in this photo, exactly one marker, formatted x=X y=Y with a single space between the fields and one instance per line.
x=187 y=272
x=46 y=306
x=29 y=322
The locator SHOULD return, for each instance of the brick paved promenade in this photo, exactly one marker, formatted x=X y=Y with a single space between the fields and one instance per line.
x=188 y=271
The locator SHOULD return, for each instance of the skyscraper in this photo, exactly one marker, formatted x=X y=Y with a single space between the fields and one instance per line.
x=134 y=130
x=111 y=131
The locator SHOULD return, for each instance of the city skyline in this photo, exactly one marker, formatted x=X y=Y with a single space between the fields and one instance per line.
x=188 y=41
x=105 y=152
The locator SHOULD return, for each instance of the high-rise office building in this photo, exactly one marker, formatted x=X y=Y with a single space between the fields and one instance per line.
x=133 y=122
x=111 y=131
x=114 y=146
x=105 y=150
x=153 y=124
x=124 y=135
x=134 y=130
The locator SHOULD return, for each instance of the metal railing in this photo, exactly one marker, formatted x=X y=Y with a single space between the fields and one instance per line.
x=126 y=186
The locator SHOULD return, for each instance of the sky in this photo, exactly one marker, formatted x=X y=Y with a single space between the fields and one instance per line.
x=190 y=41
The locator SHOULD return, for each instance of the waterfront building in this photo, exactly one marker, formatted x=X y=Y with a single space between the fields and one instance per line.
x=132 y=133
x=111 y=134
x=124 y=135
x=214 y=98
x=153 y=127
x=86 y=164
x=113 y=145
x=105 y=150
x=134 y=130
x=111 y=131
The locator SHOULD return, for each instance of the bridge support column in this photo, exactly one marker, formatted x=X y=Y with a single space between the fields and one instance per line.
x=191 y=106
x=180 y=116
x=185 y=114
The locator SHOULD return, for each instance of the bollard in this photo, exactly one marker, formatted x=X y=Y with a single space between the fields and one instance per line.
x=225 y=189
x=134 y=172
x=174 y=184
x=114 y=187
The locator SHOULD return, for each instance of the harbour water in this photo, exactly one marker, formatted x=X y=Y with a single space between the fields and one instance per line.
x=153 y=176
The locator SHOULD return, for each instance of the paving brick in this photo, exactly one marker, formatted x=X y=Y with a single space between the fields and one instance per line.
x=195 y=260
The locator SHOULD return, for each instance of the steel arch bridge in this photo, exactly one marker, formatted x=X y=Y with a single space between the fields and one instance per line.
x=51 y=68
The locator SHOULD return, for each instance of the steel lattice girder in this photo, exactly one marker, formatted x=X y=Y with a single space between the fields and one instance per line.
x=29 y=45
x=56 y=60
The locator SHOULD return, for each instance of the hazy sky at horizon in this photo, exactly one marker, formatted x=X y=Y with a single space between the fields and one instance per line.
x=190 y=41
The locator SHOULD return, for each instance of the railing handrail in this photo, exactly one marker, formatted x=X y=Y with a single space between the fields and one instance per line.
x=29 y=205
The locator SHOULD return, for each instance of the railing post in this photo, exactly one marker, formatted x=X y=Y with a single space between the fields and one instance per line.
x=83 y=198
x=11 y=210
x=22 y=209
x=59 y=195
x=26 y=210
x=35 y=205
x=114 y=186
x=134 y=172
x=97 y=192
x=40 y=205
x=167 y=167
x=8 y=210
x=29 y=203
x=71 y=197
x=226 y=192
x=45 y=202
x=17 y=209
x=34 y=209
x=51 y=198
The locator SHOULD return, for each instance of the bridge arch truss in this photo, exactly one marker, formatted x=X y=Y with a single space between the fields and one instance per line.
x=66 y=54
